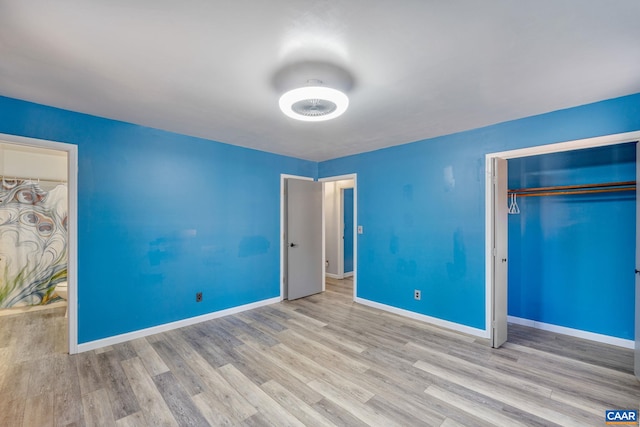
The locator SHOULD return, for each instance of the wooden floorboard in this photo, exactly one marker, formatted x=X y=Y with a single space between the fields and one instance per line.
x=318 y=361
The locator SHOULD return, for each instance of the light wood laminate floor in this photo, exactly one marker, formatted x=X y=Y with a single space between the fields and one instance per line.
x=318 y=361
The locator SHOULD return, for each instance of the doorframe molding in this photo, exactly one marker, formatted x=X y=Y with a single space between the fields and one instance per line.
x=283 y=178
x=354 y=177
x=339 y=196
x=578 y=144
x=72 y=225
x=340 y=227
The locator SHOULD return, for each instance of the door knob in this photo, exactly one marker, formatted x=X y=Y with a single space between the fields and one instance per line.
x=637 y=271
x=292 y=245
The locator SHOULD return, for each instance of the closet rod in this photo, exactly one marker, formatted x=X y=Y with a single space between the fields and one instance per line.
x=572 y=187
x=608 y=187
x=560 y=193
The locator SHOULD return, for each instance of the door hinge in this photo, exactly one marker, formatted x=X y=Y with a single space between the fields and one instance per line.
x=495 y=252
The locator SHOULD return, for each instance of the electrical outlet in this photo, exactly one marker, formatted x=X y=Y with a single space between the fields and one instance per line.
x=417 y=294
x=198 y=296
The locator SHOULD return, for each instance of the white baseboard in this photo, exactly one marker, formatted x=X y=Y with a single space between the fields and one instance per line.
x=481 y=333
x=592 y=336
x=117 y=339
x=348 y=274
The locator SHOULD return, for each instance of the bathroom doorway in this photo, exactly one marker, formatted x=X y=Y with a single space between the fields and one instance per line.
x=38 y=235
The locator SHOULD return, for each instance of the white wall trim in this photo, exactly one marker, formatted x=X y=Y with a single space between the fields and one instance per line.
x=340 y=229
x=348 y=274
x=599 y=141
x=324 y=241
x=592 y=336
x=339 y=205
x=424 y=318
x=72 y=225
x=284 y=177
x=117 y=339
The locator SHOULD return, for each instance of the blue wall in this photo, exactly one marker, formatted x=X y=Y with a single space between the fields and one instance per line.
x=422 y=207
x=572 y=257
x=162 y=216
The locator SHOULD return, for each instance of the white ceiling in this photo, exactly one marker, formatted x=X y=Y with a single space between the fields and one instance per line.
x=420 y=68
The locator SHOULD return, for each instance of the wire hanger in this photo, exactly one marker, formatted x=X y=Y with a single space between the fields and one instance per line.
x=513 y=205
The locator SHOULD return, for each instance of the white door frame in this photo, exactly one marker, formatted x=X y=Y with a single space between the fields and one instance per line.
x=341 y=273
x=354 y=177
x=340 y=230
x=636 y=352
x=599 y=141
x=72 y=225
x=283 y=207
x=339 y=196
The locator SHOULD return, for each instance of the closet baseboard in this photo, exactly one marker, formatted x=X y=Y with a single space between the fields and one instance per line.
x=592 y=336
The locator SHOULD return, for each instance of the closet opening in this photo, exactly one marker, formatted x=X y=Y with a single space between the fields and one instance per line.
x=596 y=177
x=571 y=245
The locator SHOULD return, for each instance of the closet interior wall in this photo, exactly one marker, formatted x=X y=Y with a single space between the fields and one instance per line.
x=572 y=240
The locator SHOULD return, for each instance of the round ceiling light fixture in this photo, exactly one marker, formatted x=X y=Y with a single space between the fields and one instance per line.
x=314 y=103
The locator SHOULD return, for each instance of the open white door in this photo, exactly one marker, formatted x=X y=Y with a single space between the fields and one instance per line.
x=637 y=326
x=304 y=238
x=499 y=273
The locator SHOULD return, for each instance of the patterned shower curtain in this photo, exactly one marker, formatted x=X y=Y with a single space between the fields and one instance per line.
x=33 y=242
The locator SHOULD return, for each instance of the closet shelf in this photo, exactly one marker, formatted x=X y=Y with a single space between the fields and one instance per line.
x=18 y=178
x=558 y=190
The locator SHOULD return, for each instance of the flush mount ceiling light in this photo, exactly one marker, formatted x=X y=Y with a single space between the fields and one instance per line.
x=314 y=103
